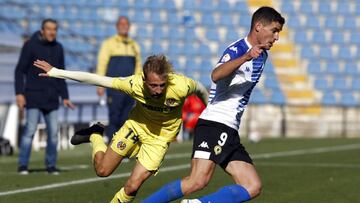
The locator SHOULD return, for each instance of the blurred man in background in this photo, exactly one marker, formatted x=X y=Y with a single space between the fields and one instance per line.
x=119 y=56
x=40 y=95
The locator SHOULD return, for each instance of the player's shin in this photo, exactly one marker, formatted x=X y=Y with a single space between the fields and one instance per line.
x=230 y=193
x=167 y=193
x=97 y=144
x=122 y=197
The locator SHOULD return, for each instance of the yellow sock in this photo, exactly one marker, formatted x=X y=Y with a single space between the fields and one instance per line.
x=97 y=143
x=122 y=197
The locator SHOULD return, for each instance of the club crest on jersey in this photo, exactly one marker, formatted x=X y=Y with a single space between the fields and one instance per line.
x=121 y=145
x=217 y=149
x=225 y=58
x=170 y=102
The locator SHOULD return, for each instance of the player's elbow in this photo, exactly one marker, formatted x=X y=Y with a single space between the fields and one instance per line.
x=214 y=76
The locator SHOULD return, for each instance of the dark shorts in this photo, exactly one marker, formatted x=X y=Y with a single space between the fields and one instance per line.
x=219 y=143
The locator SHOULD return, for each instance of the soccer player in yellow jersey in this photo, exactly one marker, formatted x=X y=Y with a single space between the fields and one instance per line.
x=153 y=123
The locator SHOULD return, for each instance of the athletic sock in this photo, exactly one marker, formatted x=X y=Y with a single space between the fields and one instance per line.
x=167 y=193
x=97 y=143
x=122 y=197
x=229 y=193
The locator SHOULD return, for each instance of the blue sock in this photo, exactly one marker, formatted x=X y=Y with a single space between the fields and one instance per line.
x=167 y=193
x=231 y=193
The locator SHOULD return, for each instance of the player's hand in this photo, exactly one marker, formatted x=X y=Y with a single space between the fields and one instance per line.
x=20 y=101
x=43 y=65
x=100 y=91
x=69 y=104
x=255 y=51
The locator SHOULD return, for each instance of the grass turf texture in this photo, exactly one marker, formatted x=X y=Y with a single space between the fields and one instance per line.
x=330 y=174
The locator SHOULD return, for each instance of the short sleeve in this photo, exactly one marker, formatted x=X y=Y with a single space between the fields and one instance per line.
x=124 y=84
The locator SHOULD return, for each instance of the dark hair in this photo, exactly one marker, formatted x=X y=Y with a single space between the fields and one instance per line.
x=47 y=20
x=157 y=64
x=123 y=17
x=266 y=15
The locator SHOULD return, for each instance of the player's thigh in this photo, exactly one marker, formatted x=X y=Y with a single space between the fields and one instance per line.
x=151 y=153
x=125 y=142
x=110 y=161
x=243 y=173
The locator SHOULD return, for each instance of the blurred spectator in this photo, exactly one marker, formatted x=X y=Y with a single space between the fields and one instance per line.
x=193 y=106
x=40 y=95
x=119 y=56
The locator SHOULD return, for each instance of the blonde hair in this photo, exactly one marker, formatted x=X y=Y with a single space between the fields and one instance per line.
x=157 y=64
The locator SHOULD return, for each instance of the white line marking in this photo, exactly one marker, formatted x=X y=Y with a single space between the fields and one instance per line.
x=322 y=165
x=185 y=166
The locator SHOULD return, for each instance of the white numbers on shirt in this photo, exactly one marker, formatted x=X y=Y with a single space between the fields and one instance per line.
x=223 y=138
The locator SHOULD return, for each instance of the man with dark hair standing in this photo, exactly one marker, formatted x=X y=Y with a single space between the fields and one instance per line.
x=119 y=56
x=216 y=138
x=40 y=95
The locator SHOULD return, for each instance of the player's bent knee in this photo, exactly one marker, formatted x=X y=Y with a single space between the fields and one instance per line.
x=254 y=189
x=102 y=172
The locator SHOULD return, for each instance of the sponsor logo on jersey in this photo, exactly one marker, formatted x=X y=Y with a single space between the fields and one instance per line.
x=217 y=149
x=247 y=69
x=121 y=145
x=170 y=102
x=158 y=108
x=204 y=145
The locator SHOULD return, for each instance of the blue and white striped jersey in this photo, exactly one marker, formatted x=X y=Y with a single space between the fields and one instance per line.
x=229 y=96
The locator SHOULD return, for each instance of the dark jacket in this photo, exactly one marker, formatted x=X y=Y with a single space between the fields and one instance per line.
x=40 y=92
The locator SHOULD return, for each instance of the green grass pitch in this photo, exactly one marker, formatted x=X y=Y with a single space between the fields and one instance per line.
x=292 y=170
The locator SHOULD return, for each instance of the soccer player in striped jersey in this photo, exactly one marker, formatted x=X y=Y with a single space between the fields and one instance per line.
x=216 y=138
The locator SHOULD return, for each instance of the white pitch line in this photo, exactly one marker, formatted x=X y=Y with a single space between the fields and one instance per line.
x=321 y=165
x=184 y=166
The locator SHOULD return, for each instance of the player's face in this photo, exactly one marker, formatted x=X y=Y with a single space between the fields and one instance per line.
x=123 y=27
x=155 y=84
x=268 y=34
x=49 y=31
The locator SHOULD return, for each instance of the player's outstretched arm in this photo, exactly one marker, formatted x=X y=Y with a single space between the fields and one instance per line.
x=84 y=77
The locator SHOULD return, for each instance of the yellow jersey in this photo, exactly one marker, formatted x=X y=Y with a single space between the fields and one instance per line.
x=157 y=117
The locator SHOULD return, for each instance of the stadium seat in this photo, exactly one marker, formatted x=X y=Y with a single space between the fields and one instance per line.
x=155 y=18
x=355 y=84
x=224 y=7
x=257 y=97
x=306 y=7
x=314 y=68
x=312 y=22
x=340 y=84
x=325 y=52
x=277 y=97
x=87 y=114
x=245 y=21
x=206 y=67
x=241 y=7
x=208 y=20
x=325 y=8
x=328 y=98
x=319 y=38
x=288 y=7
x=308 y=52
x=231 y=36
x=101 y=113
x=321 y=83
x=343 y=8
x=351 y=69
x=349 y=22
x=293 y=22
x=204 y=50
x=213 y=34
x=191 y=65
x=189 y=34
x=338 y=37
x=169 y=5
x=189 y=49
x=154 y=5
x=227 y=20
x=271 y=82
x=345 y=53
x=348 y=99
x=333 y=68
x=301 y=37
x=172 y=18
x=331 y=22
